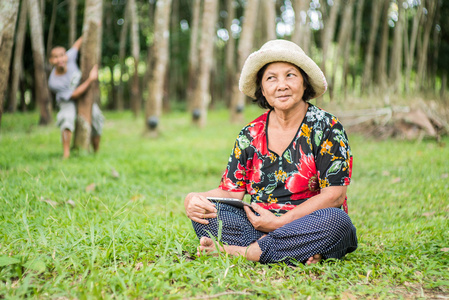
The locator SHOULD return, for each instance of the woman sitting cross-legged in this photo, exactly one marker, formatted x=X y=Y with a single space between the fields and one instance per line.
x=295 y=162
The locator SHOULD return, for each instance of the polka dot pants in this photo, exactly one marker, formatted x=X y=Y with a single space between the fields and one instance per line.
x=328 y=232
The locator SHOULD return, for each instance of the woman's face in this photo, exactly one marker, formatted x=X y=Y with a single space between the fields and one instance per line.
x=283 y=86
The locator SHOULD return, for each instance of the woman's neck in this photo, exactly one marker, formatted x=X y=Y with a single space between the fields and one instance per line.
x=290 y=119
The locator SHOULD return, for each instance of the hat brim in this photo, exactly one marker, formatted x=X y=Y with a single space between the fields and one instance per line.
x=258 y=59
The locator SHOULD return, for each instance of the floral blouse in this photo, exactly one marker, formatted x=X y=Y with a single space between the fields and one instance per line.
x=318 y=156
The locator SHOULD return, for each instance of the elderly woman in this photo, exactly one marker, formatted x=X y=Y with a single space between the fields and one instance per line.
x=295 y=162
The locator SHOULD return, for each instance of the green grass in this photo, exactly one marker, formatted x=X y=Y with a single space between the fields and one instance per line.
x=128 y=236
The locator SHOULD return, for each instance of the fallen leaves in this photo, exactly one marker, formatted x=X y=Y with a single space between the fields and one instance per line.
x=386 y=173
x=136 y=197
x=114 y=173
x=428 y=214
x=91 y=187
x=48 y=201
x=54 y=203
x=396 y=180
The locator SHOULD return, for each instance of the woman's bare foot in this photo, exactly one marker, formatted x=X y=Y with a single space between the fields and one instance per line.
x=314 y=259
x=207 y=246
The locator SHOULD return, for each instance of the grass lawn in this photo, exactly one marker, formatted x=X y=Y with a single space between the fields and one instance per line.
x=112 y=225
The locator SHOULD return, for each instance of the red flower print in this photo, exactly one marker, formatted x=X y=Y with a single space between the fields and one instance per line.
x=228 y=185
x=254 y=173
x=240 y=173
x=305 y=181
x=257 y=132
x=275 y=206
x=350 y=167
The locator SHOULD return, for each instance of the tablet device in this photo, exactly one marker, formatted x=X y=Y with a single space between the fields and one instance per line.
x=231 y=201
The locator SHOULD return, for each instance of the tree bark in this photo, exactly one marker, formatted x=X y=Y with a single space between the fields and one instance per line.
x=269 y=6
x=412 y=46
x=173 y=78
x=422 y=59
x=357 y=38
x=73 y=7
x=396 y=52
x=202 y=91
x=381 y=71
x=329 y=32
x=37 y=42
x=230 y=52
x=369 y=56
x=8 y=17
x=432 y=74
x=90 y=56
x=121 y=56
x=160 y=52
x=244 y=50
x=136 y=102
x=342 y=41
x=301 y=34
x=193 y=53
x=51 y=27
x=17 y=69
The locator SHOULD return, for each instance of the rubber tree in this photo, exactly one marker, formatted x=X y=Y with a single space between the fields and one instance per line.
x=8 y=17
x=90 y=56
x=160 y=54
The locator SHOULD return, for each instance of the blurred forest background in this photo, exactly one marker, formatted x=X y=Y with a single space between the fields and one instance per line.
x=163 y=55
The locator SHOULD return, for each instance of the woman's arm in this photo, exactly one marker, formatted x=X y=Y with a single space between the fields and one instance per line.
x=332 y=196
x=198 y=208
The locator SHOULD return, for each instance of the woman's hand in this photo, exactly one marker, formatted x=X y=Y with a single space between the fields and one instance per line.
x=266 y=221
x=198 y=208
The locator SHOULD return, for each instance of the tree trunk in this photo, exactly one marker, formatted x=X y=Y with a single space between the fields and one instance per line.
x=136 y=102
x=121 y=56
x=40 y=76
x=202 y=92
x=369 y=56
x=412 y=45
x=17 y=69
x=160 y=52
x=244 y=50
x=420 y=75
x=193 y=53
x=173 y=77
x=301 y=34
x=381 y=74
x=432 y=74
x=230 y=52
x=329 y=32
x=269 y=6
x=51 y=27
x=357 y=39
x=8 y=17
x=343 y=40
x=73 y=7
x=396 y=52
x=90 y=56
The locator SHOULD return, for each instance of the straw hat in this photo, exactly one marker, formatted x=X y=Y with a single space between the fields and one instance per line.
x=285 y=51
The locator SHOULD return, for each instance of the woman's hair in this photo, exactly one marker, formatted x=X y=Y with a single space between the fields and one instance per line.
x=309 y=92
